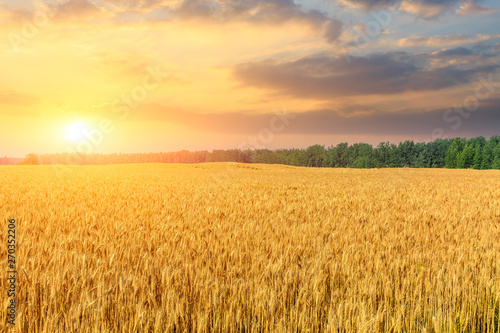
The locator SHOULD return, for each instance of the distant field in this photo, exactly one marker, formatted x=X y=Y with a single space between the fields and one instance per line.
x=252 y=248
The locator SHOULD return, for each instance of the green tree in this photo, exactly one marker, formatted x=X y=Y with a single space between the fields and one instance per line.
x=382 y=154
x=314 y=155
x=487 y=158
x=341 y=155
x=421 y=161
x=478 y=158
x=329 y=157
x=436 y=151
x=362 y=162
x=452 y=154
x=466 y=158
x=496 y=163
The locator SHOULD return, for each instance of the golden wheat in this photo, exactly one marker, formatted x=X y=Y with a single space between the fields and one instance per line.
x=252 y=248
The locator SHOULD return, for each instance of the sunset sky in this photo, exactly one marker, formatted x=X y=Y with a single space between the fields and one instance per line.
x=167 y=75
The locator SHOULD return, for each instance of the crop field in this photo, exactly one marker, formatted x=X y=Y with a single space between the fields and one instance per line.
x=252 y=248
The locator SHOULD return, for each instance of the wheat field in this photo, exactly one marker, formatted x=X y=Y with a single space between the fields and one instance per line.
x=252 y=248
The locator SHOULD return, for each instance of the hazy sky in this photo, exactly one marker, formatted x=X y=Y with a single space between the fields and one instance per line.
x=163 y=75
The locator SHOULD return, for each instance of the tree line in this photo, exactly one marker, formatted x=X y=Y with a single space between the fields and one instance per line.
x=10 y=160
x=477 y=153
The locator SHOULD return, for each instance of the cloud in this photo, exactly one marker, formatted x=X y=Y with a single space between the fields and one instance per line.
x=332 y=30
x=324 y=78
x=461 y=52
x=456 y=52
x=142 y=6
x=273 y=12
x=79 y=9
x=464 y=57
x=406 y=122
x=427 y=9
x=57 y=11
x=369 y=4
x=443 y=40
x=471 y=7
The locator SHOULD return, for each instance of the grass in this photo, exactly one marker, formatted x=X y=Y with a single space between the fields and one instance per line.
x=231 y=248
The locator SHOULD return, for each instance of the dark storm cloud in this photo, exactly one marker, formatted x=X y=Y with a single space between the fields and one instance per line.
x=328 y=77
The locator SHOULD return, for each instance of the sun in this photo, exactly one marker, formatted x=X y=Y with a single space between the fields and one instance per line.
x=76 y=132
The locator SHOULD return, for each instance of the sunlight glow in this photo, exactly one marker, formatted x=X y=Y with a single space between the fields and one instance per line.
x=76 y=131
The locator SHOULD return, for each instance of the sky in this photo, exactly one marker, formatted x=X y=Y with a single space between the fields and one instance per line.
x=124 y=76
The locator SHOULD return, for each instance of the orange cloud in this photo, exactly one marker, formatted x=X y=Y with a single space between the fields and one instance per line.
x=471 y=7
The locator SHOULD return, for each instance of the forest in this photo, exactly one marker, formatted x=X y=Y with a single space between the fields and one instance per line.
x=459 y=153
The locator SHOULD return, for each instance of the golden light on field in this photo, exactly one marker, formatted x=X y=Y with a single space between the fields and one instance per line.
x=76 y=131
x=233 y=247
